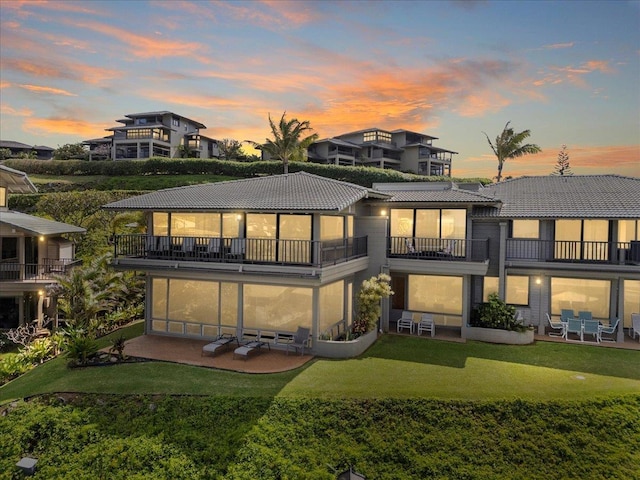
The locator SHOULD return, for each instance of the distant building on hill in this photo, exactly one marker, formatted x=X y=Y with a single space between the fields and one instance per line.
x=153 y=134
x=18 y=149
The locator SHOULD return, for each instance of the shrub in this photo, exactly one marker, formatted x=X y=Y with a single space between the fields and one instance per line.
x=118 y=347
x=80 y=347
x=496 y=314
x=12 y=366
x=38 y=350
x=371 y=293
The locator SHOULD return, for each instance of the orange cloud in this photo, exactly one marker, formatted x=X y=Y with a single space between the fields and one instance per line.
x=4 y=84
x=142 y=46
x=54 y=91
x=273 y=15
x=64 y=70
x=8 y=110
x=476 y=105
x=73 y=127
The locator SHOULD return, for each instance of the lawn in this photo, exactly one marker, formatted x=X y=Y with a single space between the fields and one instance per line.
x=409 y=408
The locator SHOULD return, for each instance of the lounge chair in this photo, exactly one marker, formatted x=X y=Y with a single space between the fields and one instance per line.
x=574 y=325
x=299 y=340
x=405 y=321
x=223 y=342
x=635 y=326
x=556 y=326
x=610 y=330
x=591 y=327
x=426 y=324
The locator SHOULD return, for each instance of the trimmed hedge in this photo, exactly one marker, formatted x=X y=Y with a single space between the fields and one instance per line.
x=364 y=176
x=26 y=202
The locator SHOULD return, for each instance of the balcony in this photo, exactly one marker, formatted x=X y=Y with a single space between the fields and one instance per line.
x=311 y=253
x=611 y=253
x=461 y=250
x=33 y=272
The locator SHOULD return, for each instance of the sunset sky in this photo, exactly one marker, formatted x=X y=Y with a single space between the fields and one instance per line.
x=568 y=71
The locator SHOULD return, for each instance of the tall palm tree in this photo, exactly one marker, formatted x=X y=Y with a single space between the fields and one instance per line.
x=287 y=144
x=509 y=145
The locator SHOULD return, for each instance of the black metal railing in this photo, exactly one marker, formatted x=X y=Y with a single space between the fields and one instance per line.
x=44 y=270
x=469 y=250
x=572 y=251
x=240 y=250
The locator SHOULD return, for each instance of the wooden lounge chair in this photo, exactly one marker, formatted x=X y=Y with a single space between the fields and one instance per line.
x=223 y=342
x=405 y=321
x=299 y=340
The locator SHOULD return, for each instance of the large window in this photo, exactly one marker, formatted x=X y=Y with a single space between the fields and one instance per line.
x=331 y=227
x=517 y=287
x=377 y=136
x=525 y=228
x=3 y=196
x=274 y=307
x=580 y=294
x=432 y=229
x=195 y=224
x=582 y=239
x=160 y=223
x=631 y=300
x=490 y=285
x=294 y=238
x=440 y=295
x=628 y=230
x=331 y=305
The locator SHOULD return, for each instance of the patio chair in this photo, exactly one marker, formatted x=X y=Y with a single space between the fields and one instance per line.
x=566 y=314
x=213 y=248
x=222 y=342
x=635 y=326
x=409 y=245
x=591 y=327
x=585 y=315
x=188 y=246
x=237 y=247
x=405 y=321
x=574 y=325
x=299 y=340
x=610 y=330
x=556 y=326
x=448 y=250
x=426 y=324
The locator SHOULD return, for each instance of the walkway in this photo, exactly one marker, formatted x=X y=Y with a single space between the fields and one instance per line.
x=189 y=352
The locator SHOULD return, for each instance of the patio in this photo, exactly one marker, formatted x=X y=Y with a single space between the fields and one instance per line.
x=189 y=352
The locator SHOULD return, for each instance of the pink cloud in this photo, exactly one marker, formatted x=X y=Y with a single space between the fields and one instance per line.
x=51 y=90
x=556 y=46
x=72 y=127
x=8 y=110
x=61 y=69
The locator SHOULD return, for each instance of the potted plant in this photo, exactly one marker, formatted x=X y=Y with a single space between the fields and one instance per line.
x=496 y=322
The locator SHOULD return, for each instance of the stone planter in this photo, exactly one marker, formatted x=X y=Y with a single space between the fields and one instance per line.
x=345 y=349
x=492 y=335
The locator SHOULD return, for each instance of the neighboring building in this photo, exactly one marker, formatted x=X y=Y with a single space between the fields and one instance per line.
x=401 y=150
x=273 y=253
x=32 y=251
x=41 y=152
x=153 y=134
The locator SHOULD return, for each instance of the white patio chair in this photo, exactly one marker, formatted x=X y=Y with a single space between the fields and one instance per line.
x=426 y=324
x=609 y=330
x=405 y=321
x=556 y=326
x=635 y=326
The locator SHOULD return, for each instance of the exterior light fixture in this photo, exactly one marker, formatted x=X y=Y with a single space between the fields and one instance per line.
x=42 y=238
x=238 y=217
x=538 y=280
x=383 y=213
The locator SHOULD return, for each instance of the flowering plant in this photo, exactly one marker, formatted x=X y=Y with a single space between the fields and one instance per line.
x=368 y=300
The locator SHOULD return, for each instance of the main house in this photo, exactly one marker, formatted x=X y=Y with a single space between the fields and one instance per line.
x=273 y=253
x=373 y=147
x=153 y=134
x=33 y=250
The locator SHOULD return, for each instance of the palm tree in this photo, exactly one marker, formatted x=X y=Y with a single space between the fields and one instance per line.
x=509 y=145
x=286 y=144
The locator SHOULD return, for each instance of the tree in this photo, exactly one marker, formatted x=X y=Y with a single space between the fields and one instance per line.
x=5 y=153
x=287 y=144
x=371 y=292
x=562 y=165
x=230 y=149
x=509 y=145
x=70 y=151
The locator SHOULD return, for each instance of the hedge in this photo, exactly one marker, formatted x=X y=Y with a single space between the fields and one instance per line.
x=364 y=176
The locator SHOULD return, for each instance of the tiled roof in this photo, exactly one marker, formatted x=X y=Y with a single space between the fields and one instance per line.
x=576 y=196
x=37 y=225
x=436 y=192
x=299 y=191
x=16 y=181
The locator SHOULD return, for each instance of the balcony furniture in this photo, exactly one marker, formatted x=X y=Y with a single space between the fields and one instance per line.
x=237 y=247
x=634 y=252
x=410 y=247
x=635 y=326
x=574 y=325
x=252 y=346
x=188 y=246
x=213 y=248
x=609 y=330
x=405 y=321
x=566 y=314
x=556 y=327
x=448 y=249
x=221 y=343
x=591 y=327
x=299 y=340
x=426 y=324
x=585 y=315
